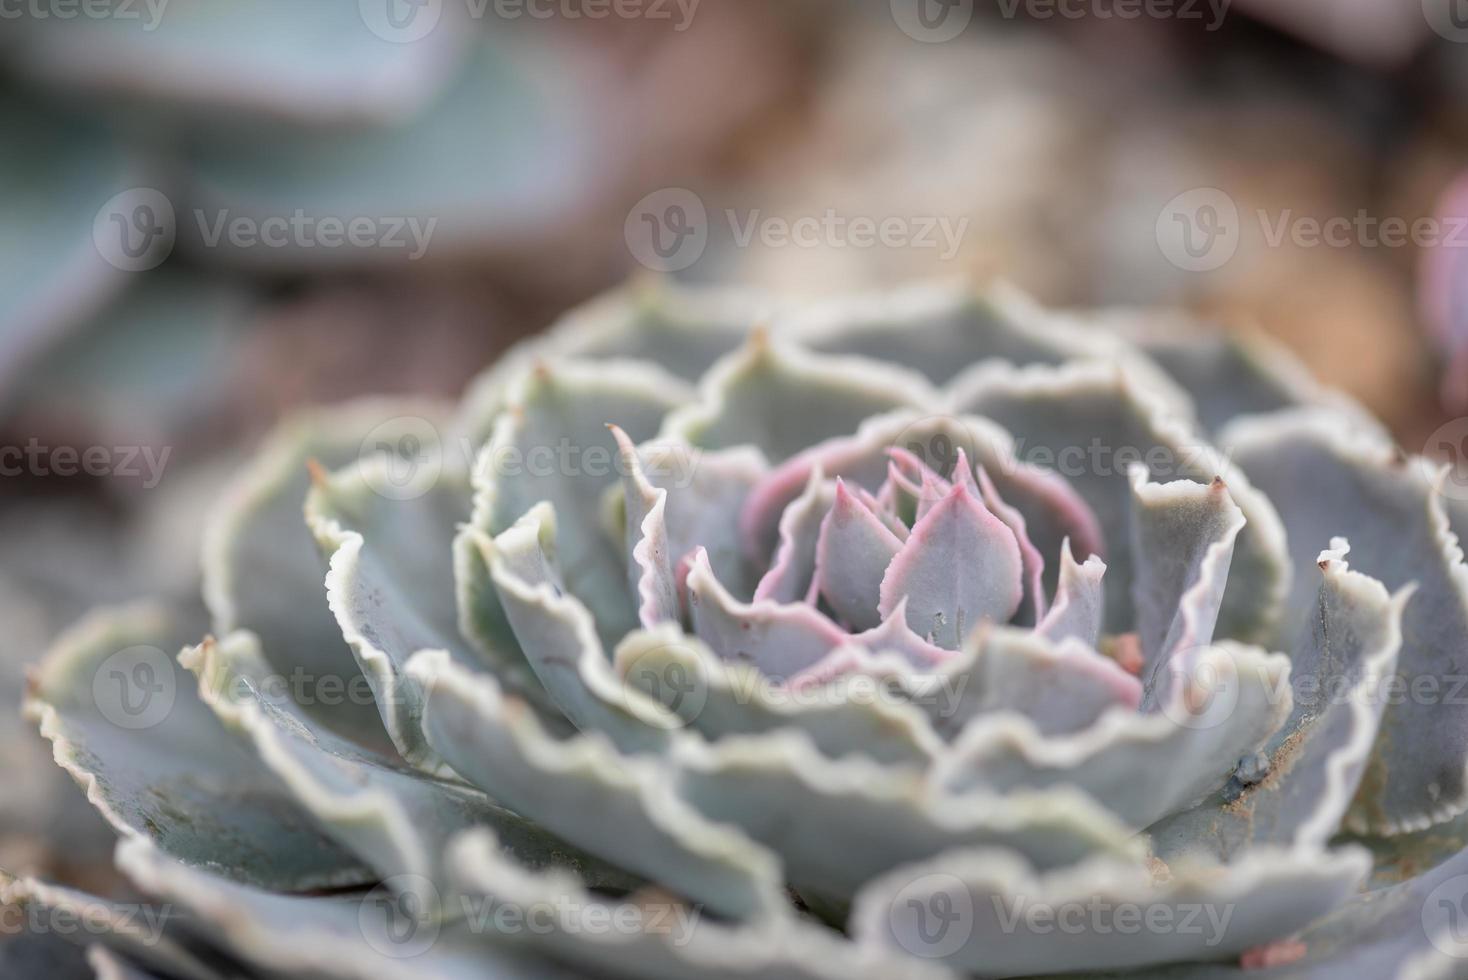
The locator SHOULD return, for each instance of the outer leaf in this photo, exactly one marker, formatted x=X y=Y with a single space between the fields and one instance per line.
x=348 y=938
x=782 y=399
x=261 y=570
x=839 y=824
x=390 y=582
x=1183 y=537
x=123 y=721
x=552 y=445
x=1410 y=932
x=650 y=556
x=558 y=635
x=1357 y=484
x=1003 y=920
x=940 y=330
x=150 y=935
x=309 y=64
x=1141 y=767
x=396 y=819
x=1062 y=688
x=621 y=808
x=857 y=715
x=1091 y=422
x=670 y=942
x=1315 y=762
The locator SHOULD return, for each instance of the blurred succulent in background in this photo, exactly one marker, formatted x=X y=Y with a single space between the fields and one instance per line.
x=913 y=635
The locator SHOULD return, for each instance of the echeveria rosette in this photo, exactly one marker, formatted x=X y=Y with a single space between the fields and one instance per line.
x=867 y=640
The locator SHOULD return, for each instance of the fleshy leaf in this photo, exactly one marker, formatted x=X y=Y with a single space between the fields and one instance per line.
x=390 y=579
x=396 y=819
x=791 y=576
x=650 y=557
x=498 y=161
x=621 y=808
x=852 y=555
x=683 y=331
x=1140 y=767
x=1315 y=762
x=782 y=399
x=1061 y=688
x=316 y=65
x=959 y=568
x=940 y=330
x=377 y=935
x=893 y=635
x=148 y=934
x=780 y=639
x=1412 y=931
x=837 y=824
x=1004 y=920
x=1183 y=536
x=1329 y=480
x=124 y=721
x=262 y=572
x=1080 y=601
x=558 y=635
x=669 y=940
x=1031 y=560
x=1052 y=510
x=858 y=714
x=551 y=444
x=1091 y=422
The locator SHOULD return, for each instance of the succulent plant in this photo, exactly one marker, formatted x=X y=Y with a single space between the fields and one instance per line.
x=917 y=635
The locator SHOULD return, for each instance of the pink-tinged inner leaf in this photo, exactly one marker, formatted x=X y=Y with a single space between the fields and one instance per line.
x=895 y=636
x=779 y=639
x=963 y=472
x=1030 y=557
x=1080 y=601
x=852 y=554
x=791 y=576
x=960 y=567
